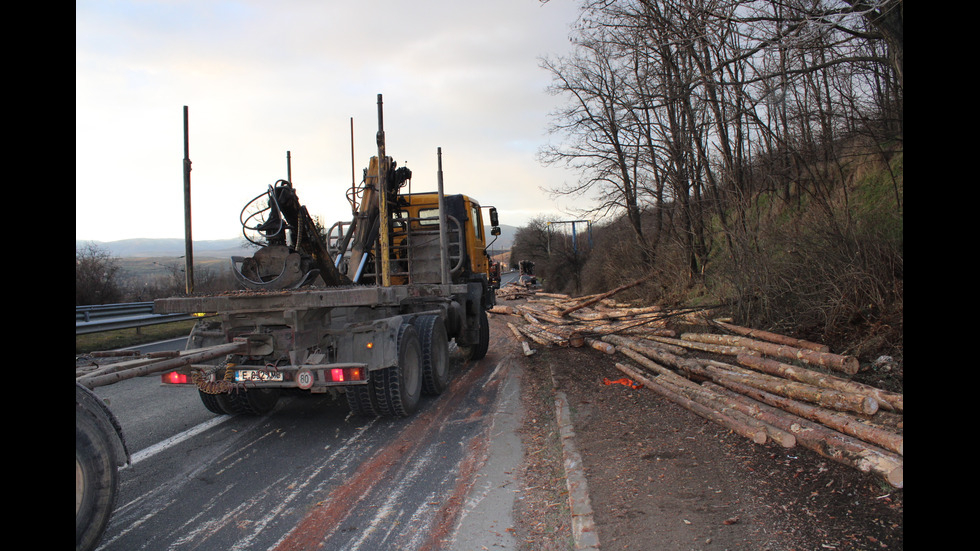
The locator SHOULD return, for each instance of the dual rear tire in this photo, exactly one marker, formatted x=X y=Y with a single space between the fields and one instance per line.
x=422 y=368
x=246 y=401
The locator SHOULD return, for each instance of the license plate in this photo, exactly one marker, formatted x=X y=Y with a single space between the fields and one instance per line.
x=251 y=375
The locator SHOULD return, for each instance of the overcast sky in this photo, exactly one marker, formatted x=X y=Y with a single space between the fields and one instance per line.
x=261 y=78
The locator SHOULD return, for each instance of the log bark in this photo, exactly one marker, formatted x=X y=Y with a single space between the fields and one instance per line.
x=601 y=346
x=712 y=399
x=772 y=337
x=824 y=397
x=539 y=315
x=837 y=422
x=846 y=364
x=834 y=445
x=617 y=313
x=537 y=337
x=840 y=423
x=721 y=349
x=887 y=400
x=753 y=433
x=731 y=407
x=640 y=346
x=566 y=334
x=521 y=339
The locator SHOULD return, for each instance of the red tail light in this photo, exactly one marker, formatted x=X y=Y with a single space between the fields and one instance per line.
x=342 y=374
x=175 y=378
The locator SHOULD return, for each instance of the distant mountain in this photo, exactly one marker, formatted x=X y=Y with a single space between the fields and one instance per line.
x=226 y=248
x=504 y=241
x=137 y=248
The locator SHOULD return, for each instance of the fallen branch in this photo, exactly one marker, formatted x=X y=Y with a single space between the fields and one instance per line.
x=607 y=294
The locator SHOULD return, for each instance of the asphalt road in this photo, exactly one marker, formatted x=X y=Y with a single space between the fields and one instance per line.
x=311 y=476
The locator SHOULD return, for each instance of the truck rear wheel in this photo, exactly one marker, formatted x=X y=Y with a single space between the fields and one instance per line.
x=435 y=354
x=362 y=401
x=479 y=350
x=254 y=401
x=398 y=388
x=211 y=403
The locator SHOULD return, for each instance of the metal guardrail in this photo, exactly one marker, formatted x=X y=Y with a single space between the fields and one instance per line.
x=129 y=315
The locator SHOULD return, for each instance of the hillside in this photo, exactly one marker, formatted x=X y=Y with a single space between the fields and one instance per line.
x=170 y=248
x=173 y=248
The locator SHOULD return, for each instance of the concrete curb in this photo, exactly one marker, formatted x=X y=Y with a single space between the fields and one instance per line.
x=583 y=527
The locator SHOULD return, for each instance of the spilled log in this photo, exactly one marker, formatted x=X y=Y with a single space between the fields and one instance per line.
x=887 y=400
x=771 y=337
x=846 y=364
x=753 y=433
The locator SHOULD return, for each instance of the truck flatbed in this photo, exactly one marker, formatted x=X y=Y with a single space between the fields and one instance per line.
x=333 y=297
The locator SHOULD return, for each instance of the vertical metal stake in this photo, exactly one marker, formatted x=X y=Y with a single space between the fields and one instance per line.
x=188 y=241
x=443 y=245
x=383 y=200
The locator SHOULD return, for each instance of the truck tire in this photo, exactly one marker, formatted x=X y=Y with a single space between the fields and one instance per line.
x=480 y=349
x=96 y=480
x=435 y=354
x=398 y=388
x=254 y=401
x=362 y=401
x=211 y=403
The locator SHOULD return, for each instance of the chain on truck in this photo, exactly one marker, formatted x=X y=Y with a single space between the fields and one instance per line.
x=371 y=311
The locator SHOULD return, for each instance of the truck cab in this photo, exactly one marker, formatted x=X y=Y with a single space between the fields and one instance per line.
x=416 y=238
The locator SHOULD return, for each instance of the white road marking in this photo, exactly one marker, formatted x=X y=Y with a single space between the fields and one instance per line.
x=176 y=439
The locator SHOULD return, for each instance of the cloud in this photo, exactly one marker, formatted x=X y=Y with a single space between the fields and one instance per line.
x=261 y=79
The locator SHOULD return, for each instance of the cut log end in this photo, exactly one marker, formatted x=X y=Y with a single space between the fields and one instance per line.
x=869 y=405
x=896 y=477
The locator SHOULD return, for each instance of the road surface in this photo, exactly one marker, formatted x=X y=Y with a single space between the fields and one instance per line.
x=311 y=476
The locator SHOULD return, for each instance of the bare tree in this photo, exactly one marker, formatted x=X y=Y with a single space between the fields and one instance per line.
x=96 y=280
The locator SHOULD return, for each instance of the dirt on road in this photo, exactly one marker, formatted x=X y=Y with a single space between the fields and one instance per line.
x=662 y=478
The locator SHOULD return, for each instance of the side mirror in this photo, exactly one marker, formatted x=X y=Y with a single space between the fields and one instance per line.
x=493 y=218
x=495 y=230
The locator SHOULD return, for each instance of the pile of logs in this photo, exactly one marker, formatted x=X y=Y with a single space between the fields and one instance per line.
x=764 y=386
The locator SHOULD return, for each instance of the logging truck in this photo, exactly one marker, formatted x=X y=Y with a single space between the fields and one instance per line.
x=405 y=278
x=370 y=312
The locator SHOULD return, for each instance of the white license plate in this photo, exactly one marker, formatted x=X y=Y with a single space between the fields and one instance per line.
x=247 y=375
